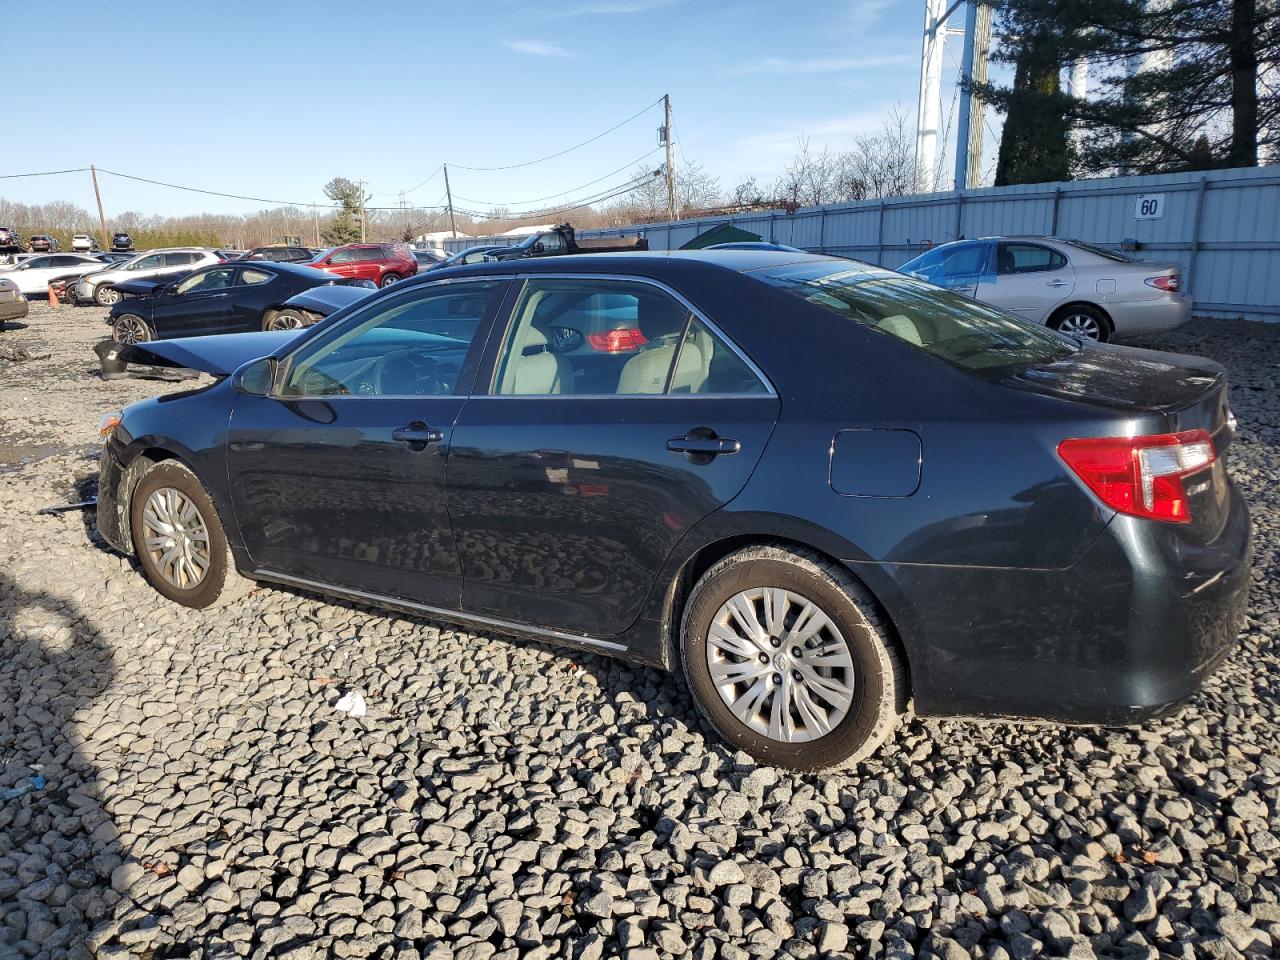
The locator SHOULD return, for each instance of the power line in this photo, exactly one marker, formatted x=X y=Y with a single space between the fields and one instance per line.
x=552 y=156
x=435 y=173
x=551 y=196
x=608 y=193
x=43 y=173
x=212 y=193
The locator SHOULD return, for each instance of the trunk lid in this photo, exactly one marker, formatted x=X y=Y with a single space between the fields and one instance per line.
x=219 y=355
x=1165 y=392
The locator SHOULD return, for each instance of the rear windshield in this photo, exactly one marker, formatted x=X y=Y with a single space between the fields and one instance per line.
x=1099 y=251
x=961 y=331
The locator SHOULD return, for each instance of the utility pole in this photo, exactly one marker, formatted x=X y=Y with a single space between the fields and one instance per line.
x=363 y=217
x=404 y=219
x=315 y=215
x=453 y=226
x=672 y=212
x=102 y=221
x=973 y=69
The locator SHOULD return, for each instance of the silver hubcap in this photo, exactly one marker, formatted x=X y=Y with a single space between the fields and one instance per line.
x=780 y=665
x=177 y=539
x=1080 y=325
x=286 y=321
x=130 y=330
x=108 y=296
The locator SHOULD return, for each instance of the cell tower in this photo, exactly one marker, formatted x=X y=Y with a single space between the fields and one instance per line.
x=976 y=34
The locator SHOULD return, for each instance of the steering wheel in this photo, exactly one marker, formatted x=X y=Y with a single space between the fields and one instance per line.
x=408 y=372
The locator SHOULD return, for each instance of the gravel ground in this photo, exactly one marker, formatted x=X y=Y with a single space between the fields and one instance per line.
x=205 y=798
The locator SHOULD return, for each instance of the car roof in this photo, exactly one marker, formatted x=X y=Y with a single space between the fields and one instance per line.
x=652 y=263
x=292 y=269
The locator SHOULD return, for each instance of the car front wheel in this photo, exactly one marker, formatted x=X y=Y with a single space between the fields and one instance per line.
x=789 y=660
x=130 y=328
x=388 y=279
x=285 y=320
x=106 y=295
x=180 y=541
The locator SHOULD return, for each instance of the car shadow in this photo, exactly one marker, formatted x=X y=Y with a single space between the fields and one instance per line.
x=7 y=325
x=60 y=842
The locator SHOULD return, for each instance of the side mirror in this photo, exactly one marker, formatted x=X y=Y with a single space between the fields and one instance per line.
x=256 y=377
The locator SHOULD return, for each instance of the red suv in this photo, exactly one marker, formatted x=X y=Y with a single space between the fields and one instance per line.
x=383 y=263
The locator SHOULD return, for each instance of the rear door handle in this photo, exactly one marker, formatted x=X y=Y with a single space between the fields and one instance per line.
x=704 y=446
x=1057 y=283
x=417 y=435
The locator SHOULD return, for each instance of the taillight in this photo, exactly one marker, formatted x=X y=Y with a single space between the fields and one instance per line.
x=617 y=341
x=1141 y=476
x=1172 y=282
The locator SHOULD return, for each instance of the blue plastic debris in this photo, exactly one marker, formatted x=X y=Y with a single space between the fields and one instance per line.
x=36 y=783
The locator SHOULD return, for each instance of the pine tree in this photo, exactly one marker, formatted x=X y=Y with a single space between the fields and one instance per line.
x=345 y=226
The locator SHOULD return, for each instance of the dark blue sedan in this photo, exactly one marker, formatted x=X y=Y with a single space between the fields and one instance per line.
x=818 y=488
x=235 y=297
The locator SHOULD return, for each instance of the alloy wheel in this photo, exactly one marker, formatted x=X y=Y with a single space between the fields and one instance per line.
x=177 y=539
x=1080 y=325
x=285 y=321
x=131 y=329
x=780 y=664
x=107 y=296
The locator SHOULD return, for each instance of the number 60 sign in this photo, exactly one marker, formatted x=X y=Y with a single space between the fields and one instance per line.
x=1150 y=206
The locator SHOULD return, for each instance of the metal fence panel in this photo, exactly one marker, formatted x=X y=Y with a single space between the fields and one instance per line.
x=1221 y=226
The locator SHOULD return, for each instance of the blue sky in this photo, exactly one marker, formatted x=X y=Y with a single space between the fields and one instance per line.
x=273 y=99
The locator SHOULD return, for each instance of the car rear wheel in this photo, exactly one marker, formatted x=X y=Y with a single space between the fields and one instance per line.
x=789 y=660
x=1082 y=321
x=106 y=295
x=130 y=328
x=180 y=540
x=284 y=320
x=388 y=279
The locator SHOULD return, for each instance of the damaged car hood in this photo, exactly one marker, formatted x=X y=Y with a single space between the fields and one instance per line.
x=219 y=355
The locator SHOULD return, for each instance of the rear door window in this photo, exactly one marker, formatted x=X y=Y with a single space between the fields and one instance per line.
x=1014 y=258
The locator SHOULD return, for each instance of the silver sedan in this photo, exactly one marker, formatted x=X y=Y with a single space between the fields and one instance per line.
x=1074 y=287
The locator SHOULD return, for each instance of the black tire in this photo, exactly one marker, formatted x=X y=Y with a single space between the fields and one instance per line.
x=126 y=322
x=220 y=583
x=1081 y=319
x=285 y=320
x=879 y=681
x=388 y=279
x=105 y=295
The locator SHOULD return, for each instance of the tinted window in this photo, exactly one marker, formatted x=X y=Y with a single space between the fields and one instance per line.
x=1027 y=258
x=177 y=259
x=36 y=263
x=410 y=345
x=343 y=256
x=612 y=337
x=955 y=328
x=218 y=279
x=149 y=262
x=250 y=276
x=373 y=253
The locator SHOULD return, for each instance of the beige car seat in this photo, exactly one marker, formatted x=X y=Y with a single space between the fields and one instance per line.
x=536 y=371
x=662 y=321
x=902 y=327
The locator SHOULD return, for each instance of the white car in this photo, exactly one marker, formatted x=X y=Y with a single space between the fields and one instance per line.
x=82 y=243
x=97 y=287
x=32 y=276
x=1074 y=287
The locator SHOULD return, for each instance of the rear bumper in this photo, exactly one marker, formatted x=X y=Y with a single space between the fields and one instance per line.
x=1164 y=313
x=13 y=309
x=1128 y=633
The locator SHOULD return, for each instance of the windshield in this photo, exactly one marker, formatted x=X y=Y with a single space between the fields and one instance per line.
x=1099 y=251
x=961 y=331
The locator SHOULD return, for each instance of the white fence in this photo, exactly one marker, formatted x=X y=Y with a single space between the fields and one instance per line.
x=1221 y=226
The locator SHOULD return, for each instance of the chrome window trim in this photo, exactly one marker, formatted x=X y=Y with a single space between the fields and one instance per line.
x=284 y=361
x=770 y=391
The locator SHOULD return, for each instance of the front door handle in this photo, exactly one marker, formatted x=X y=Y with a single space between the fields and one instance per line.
x=703 y=446
x=417 y=435
x=1057 y=283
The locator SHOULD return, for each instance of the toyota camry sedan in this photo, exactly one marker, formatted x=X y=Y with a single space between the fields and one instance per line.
x=820 y=490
